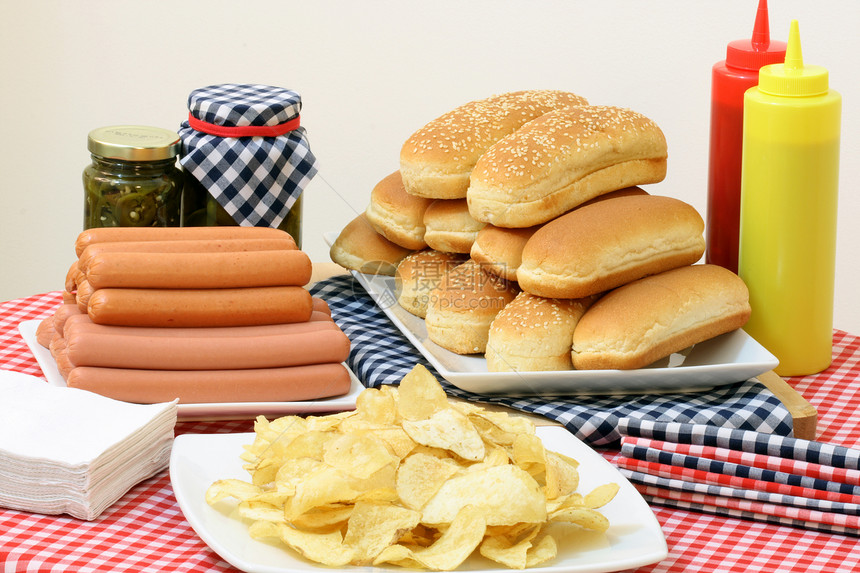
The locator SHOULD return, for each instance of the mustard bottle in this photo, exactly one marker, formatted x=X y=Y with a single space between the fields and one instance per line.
x=789 y=188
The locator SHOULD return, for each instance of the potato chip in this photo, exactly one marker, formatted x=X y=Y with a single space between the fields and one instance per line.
x=325 y=548
x=376 y=407
x=230 y=488
x=499 y=427
x=528 y=449
x=420 y=476
x=509 y=550
x=356 y=455
x=374 y=526
x=504 y=494
x=449 y=430
x=601 y=495
x=449 y=551
x=260 y=511
x=323 y=517
x=543 y=550
x=420 y=395
x=584 y=517
x=562 y=478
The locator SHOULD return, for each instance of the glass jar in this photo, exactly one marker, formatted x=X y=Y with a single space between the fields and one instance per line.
x=133 y=180
x=201 y=209
x=246 y=158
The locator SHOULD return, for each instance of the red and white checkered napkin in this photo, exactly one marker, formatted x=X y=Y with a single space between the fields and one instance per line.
x=744 y=474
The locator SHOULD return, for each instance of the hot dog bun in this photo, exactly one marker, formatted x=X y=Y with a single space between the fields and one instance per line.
x=436 y=160
x=418 y=274
x=648 y=319
x=500 y=249
x=533 y=333
x=397 y=215
x=563 y=159
x=449 y=227
x=360 y=248
x=464 y=305
x=609 y=243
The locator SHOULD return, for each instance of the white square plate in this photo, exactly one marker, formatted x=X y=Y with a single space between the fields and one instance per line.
x=726 y=359
x=634 y=537
x=211 y=411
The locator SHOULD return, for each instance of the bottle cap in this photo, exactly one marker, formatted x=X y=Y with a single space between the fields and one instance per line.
x=759 y=50
x=134 y=143
x=792 y=78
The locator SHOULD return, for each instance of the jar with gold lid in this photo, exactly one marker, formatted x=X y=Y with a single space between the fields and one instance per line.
x=133 y=180
x=246 y=157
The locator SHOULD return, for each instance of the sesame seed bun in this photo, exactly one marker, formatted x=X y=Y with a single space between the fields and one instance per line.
x=397 y=215
x=609 y=243
x=449 y=227
x=437 y=159
x=533 y=333
x=418 y=274
x=561 y=160
x=464 y=305
x=645 y=320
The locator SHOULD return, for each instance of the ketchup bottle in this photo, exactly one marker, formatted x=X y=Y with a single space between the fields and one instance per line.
x=789 y=196
x=730 y=78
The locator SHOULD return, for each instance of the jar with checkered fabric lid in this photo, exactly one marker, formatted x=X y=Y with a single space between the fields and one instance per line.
x=246 y=157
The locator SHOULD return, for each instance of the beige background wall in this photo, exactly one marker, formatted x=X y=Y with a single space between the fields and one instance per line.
x=370 y=73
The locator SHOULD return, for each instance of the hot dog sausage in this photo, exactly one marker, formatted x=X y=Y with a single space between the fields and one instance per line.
x=45 y=332
x=199 y=270
x=126 y=234
x=307 y=343
x=82 y=323
x=82 y=295
x=62 y=314
x=321 y=306
x=200 y=307
x=190 y=246
x=293 y=383
x=71 y=283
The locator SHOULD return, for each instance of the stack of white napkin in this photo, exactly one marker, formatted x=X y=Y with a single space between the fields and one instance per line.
x=64 y=450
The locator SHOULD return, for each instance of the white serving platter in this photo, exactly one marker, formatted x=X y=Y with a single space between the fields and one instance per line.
x=634 y=537
x=725 y=359
x=211 y=411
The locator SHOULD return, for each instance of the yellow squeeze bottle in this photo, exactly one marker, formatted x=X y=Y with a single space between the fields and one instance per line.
x=789 y=188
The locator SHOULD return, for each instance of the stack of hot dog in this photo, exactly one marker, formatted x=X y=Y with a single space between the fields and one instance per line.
x=205 y=314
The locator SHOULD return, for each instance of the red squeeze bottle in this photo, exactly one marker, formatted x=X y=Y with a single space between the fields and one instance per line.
x=730 y=78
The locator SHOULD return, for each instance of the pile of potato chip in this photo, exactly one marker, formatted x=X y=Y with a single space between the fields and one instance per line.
x=412 y=479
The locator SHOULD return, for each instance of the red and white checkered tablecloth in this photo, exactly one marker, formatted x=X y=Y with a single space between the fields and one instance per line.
x=146 y=531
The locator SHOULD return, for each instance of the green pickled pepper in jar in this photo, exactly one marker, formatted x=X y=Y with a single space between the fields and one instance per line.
x=133 y=180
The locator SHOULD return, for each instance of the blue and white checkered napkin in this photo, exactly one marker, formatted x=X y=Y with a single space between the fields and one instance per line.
x=256 y=179
x=380 y=354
